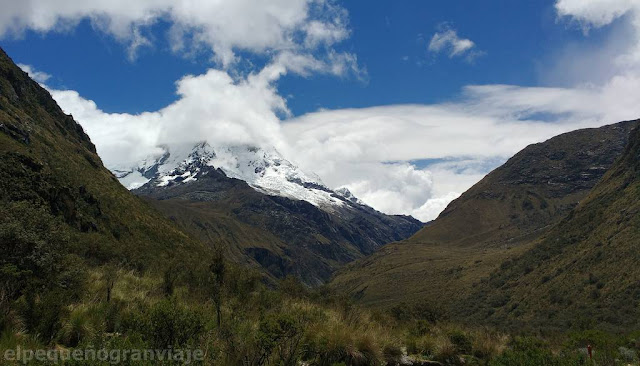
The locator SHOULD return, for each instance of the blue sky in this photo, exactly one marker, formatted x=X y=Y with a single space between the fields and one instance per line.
x=390 y=39
x=406 y=103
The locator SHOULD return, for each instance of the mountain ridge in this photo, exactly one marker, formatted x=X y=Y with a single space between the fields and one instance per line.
x=584 y=272
x=298 y=226
x=499 y=218
x=61 y=210
x=264 y=169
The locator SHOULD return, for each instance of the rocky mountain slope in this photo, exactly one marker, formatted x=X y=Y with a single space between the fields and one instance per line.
x=263 y=210
x=60 y=208
x=264 y=169
x=585 y=272
x=496 y=220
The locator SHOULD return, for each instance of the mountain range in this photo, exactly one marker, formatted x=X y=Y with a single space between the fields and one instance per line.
x=263 y=210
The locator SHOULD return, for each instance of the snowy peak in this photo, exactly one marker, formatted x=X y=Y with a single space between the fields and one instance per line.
x=345 y=193
x=264 y=169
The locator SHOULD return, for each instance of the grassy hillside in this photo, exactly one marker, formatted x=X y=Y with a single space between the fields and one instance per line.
x=497 y=219
x=62 y=212
x=48 y=163
x=585 y=272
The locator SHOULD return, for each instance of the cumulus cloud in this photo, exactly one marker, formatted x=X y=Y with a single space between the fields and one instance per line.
x=36 y=75
x=222 y=26
x=222 y=105
x=462 y=140
x=596 y=13
x=447 y=40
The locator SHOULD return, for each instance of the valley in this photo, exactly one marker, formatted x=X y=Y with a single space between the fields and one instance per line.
x=185 y=231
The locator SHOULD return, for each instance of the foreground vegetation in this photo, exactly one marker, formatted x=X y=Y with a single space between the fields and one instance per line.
x=228 y=313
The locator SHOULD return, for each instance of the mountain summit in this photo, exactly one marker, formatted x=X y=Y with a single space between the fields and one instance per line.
x=262 y=209
x=265 y=170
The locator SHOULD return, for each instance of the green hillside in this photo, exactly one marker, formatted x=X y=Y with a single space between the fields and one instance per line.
x=585 y=272
x=61 y=211
x=497 y=219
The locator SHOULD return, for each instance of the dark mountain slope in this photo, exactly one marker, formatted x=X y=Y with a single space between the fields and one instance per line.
x=495 y=220
x=585 y=273
x=281 y=235
x=59 y=207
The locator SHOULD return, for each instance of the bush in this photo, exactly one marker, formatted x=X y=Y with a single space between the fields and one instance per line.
x=334 y=342
x=422 y=311
x=165 y=324
x=527 y=351
x=171 y=324
x=281 y=334
x=76 y=327
x=43 y=313
x=461 y=342
x=487 y=345
x=423 y=346
x=446 y=352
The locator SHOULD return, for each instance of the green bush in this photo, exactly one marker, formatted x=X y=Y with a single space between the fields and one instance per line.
x=527 y=351
x=165 y=324
x=280 y=335
x=171 y=324
x=461 y=342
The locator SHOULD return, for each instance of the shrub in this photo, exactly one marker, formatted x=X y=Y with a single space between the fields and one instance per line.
x=280 y=334
x=424 y=345
x=527 y=351
x=164 y=324
x=421 y=311
x=461 y=342
x=445 y=352
x=171 y=324
x=627 y=355
x=487 y=345
x=42 y=314
x=392 y=354
x=76 y=327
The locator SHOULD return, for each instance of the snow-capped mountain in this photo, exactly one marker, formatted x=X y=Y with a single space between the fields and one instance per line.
x=263 y=208
x=265 y=170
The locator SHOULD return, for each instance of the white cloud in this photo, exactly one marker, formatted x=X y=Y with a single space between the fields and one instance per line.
x=596 y=13
x=447 y=40
x=618 y=53
x=473 y=135
x=39 y=76
x=224 y=26
x=377 y=152
x=212 y=106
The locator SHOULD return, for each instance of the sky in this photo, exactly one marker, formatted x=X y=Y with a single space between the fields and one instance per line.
x=406 y=103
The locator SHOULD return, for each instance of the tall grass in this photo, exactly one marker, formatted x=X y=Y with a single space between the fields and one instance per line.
x=287 y=326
